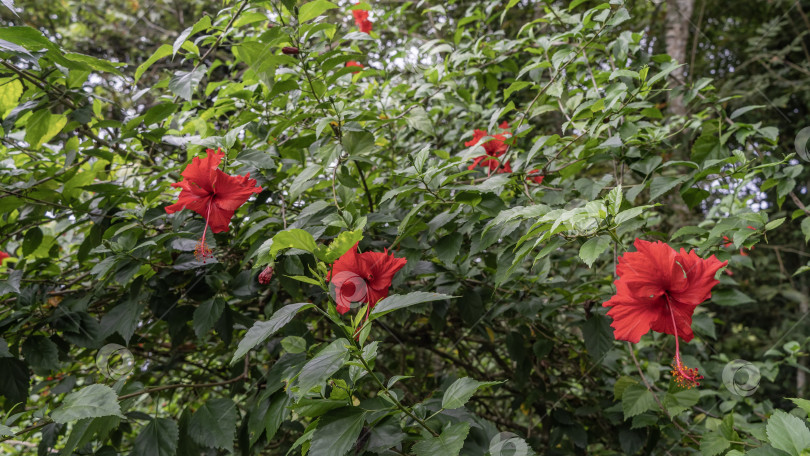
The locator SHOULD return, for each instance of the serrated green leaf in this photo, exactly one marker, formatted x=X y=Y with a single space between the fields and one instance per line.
x=788 y=433
x=317 y=370
x=344 y=241
x=158 y=438
x=184 y=83
x=592 y=248
x=42 y=126
x=337 y=432
x=214 y=424
x=449 y=443
x=461 y=391
x=636 y=400
x=89 y=402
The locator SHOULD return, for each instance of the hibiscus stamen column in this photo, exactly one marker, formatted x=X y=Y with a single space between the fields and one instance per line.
x=201 y=251
x=685 y=377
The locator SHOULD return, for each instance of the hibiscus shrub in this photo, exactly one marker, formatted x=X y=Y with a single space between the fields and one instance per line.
x=447 y=229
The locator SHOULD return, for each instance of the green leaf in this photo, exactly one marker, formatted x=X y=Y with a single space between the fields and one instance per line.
x=158 y=113
x=598 y=336
x=4 y=353
x=592 y=248
x=804 y=404
x=304 y=180
x=311 y=10
x=662 y=184
x=339 y=246
x=461 y=391
x=788 y=433
x=294 y=344
x=337 y=432
x=207 y=314
x=256 y=158
x=515 y=87
x=261 y=330
x=621 y=384
x=89 y=402
x=276 y=414
x=41 y=354
x=631 y=213
x=158 y=438
x=317 y=370
x=679 y=401
x=10 y=92
x=14 y=382
x=636 y=400
x=292 y=239
x=214 y=424
x=123 y=318
x=396 y=302
x=42 y=126
x=358 y=142
x=161 y=52
x=86 y=430
x=184 y=83
x=614 y=200
x=773 y=224
x=730 y=297
x=202 y=24
x=449 y=443
x=806 y=229
x=712 y=443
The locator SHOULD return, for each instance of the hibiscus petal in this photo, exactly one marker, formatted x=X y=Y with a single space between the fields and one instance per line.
x=630 y=320
x=201 y=170
x=649 y=271
x=382 y=268
x=699 y=276
x=477 y=135
x=682 y=313
x=348 y=262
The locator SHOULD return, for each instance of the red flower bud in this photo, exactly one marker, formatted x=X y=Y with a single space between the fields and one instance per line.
x=266 y=275
x=289 y=50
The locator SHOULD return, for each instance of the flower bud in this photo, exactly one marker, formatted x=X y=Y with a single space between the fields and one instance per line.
x=266 y=275
x=289 y=50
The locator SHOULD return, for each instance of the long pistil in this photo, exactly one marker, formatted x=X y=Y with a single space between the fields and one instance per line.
x=685 y=377
x=201 y=251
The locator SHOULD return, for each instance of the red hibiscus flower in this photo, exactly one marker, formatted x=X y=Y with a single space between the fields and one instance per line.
x=210 y=192
x=361 y=20
x=363 y=277
x=536 y=179
x=352 y=63
x=658 y=288
x=495 y=147
x=3 y=256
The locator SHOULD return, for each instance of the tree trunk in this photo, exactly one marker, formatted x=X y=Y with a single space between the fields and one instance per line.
x=679 y=14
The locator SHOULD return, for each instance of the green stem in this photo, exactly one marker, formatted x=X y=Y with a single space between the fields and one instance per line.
x=393 y=398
